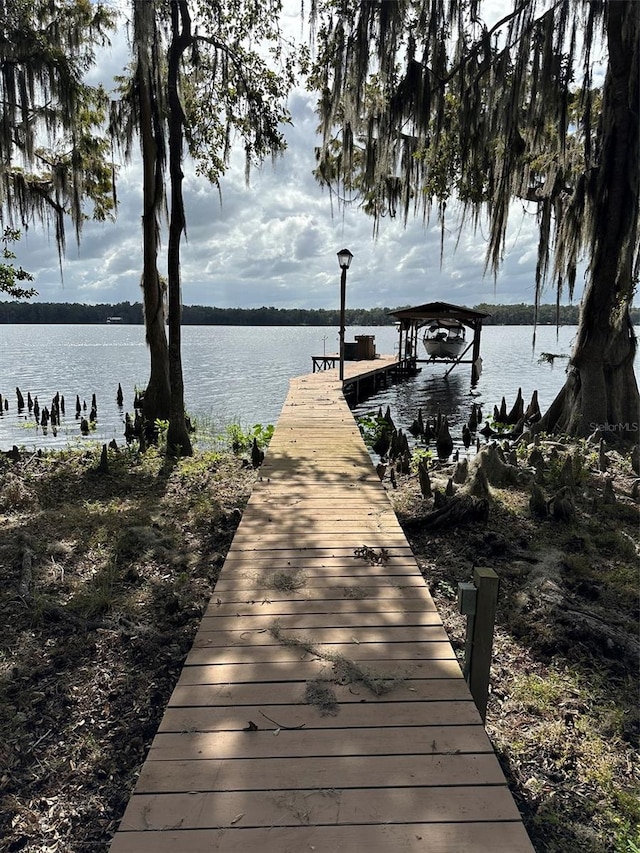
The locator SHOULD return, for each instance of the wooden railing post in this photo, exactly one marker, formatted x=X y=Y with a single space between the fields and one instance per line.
x=481 y=614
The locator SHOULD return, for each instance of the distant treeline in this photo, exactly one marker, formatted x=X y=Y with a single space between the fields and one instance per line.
x=202 y=315
x=192 y=315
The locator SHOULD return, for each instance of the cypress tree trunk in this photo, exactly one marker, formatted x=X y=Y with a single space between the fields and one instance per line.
x=157 y=398
x=601 y=391
x=178 y=436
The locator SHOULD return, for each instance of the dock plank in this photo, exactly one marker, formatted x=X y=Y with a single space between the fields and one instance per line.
x=300 y=621
x=285 y=743
x=320 y=563
x=308 y=773
x=305 y=670
x=203 y=655
x=361 y=715
x=347 y=637
x=323 y=808
x=445 y=685
x=337 y=592
x=323 y=606
x=457 y=837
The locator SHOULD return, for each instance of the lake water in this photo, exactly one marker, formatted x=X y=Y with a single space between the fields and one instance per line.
x=241 y=374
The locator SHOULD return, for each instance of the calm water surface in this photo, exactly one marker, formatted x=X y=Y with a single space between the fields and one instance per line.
x=241 y=374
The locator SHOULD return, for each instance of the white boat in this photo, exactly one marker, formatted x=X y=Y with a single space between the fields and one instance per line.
x=444 y=339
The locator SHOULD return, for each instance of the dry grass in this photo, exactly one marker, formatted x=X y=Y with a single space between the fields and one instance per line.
x=345 y=670
x=286 y=581
x=322 y=696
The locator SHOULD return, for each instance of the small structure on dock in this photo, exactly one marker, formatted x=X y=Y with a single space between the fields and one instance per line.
x=440 y=320
x=363 y=348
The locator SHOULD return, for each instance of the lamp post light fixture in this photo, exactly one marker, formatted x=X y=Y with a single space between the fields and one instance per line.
x=344 y=259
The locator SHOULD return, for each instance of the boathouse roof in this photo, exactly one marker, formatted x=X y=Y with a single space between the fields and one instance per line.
x=439 y=311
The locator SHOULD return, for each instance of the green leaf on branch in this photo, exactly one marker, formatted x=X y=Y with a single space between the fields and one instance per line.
x=10 y=276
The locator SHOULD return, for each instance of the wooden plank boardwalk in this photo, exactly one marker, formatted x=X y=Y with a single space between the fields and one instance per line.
x=271 y=741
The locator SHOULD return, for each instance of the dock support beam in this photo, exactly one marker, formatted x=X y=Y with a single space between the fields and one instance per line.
x=478 y=601
x=475 y=370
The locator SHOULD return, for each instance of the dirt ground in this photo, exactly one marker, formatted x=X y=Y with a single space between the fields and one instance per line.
x=105 y=576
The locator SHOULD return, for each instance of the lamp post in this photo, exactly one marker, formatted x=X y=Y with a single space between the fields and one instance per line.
x=344 y=259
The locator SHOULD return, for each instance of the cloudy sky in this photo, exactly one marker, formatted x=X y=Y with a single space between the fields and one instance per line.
x=275 y=242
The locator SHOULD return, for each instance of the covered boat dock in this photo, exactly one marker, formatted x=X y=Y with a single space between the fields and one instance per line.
x=412 y=320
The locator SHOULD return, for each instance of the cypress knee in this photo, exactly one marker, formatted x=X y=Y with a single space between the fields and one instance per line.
x=444 y=442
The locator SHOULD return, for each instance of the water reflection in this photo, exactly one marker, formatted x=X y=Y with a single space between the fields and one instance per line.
x=429 y=392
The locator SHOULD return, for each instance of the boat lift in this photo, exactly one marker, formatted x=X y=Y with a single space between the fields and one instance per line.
x=411 y=320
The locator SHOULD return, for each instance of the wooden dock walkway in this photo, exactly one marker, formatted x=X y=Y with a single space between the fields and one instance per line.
x=272 y=742
x=364 y=377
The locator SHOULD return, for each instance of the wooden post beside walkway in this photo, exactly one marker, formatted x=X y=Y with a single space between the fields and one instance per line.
x=321 y=707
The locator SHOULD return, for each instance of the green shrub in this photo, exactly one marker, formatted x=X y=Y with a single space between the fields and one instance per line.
x=371 y=427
